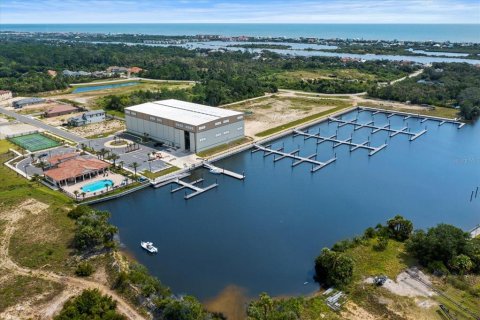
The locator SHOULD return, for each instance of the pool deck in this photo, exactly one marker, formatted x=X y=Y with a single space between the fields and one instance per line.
x=116 y=178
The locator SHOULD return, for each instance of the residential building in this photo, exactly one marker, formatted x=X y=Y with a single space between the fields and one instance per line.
x=26 y=102
x=184 y=125
x=93 y=116
x=60 y=110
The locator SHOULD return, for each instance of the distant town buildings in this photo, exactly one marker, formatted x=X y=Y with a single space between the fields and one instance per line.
x=52 y=73
x=5 y=95
x=93 y=116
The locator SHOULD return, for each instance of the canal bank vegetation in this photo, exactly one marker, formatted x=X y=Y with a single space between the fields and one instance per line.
x=447 y=255
x=452 y=85
x=224 y=147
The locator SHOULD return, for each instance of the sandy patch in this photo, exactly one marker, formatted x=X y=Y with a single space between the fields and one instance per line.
x=231 y=302
x=355 y=312
x=406 y=286
x=99 y=128
x=58 y=121
x=278 y=109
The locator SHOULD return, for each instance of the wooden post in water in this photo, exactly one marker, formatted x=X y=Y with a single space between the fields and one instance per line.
x=471 y=196
x=476 y=192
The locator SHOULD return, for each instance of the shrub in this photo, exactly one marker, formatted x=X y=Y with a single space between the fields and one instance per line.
x=438 y=268
x=79 y=211
x=461 y=264
x=84 y=269
x=399 y=228
x=93 y=230
x=369 y=233
x=334 y=268
x=91 y=304
x=382 y=244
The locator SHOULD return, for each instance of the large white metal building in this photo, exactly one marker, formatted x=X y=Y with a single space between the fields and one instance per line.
x=188 y=126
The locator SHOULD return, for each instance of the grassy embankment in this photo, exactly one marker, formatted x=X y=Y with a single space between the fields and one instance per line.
x=437 y=112
x=153 y=175
x=40 y=241
x=391 y=262
x=223 y=147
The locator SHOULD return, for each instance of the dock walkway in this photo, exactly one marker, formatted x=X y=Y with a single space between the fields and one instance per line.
x=337 y=142
x=393 y=132
x=316 y=165
x=407 y=115
x=192 y=186
x=224 y=171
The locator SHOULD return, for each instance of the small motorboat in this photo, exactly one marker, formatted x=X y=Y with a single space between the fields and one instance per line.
x=149 y=247
x=215 y=171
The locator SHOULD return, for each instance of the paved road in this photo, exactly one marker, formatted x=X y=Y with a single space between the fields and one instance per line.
x=40 y=124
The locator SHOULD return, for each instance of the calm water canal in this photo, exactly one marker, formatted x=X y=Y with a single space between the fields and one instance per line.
x=264 y=233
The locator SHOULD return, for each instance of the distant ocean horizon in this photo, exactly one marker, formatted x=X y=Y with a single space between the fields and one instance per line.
x=406 y=32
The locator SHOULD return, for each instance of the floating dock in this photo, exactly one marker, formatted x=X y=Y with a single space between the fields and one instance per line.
x=393 y=132
x=191 y=186
x=406 y=115
x=316 y=165
x=224 y=171
x=336 y=142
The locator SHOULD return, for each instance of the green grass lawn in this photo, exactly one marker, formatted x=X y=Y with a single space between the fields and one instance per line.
x=223 y=147
x=153 y=175
x=437 y=112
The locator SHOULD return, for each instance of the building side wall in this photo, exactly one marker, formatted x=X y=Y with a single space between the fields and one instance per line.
x=172 y=136
x=220 y=135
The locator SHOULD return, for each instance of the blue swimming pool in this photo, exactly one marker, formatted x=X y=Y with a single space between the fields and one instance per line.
x=103 y=87
x=97 y=185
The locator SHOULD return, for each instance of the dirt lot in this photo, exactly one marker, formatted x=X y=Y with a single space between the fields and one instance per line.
x=281 y=108
x=100 y=128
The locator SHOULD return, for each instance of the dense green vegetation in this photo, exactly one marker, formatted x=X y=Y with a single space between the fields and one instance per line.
x=90 y=304
x=443 y=84
x=93 y=231
x=446 y=248
x=223 y=77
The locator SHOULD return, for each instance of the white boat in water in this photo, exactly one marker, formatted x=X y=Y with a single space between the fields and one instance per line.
x=149 y=247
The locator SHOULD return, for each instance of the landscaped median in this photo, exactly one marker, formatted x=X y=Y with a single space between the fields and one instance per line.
x=298 y=122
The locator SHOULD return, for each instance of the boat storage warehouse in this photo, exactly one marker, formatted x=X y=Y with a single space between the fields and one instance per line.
x=188 y=126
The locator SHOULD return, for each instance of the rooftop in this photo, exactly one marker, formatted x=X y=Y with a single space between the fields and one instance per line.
x=61 y=108
x=182 y=111
x=74 y=167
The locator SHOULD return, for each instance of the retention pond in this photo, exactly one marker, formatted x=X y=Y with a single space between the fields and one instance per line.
x=263 y=233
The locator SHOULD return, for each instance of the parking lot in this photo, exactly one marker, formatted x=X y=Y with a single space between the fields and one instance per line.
x=140 y=156
x=26 y=164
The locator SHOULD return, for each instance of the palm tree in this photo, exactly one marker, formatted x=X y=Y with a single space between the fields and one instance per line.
x=106 y=186
x=76 y=194
x=36 y=178
x=102 y=152
x=114 y=157
x=135 y=165
x=83 y=195
x=121 y=163
x=32 y=156
x=42 y=165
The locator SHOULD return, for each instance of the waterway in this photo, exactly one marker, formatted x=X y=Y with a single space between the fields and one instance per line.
x=264 y=233
x=412 y=32
x=104 y=87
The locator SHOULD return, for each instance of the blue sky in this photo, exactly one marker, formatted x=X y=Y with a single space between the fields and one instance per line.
x=239 y=11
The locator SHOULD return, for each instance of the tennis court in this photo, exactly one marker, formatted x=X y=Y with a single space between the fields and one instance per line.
x=34 y=142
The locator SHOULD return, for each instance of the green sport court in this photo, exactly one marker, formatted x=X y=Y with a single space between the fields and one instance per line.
x=34 y=142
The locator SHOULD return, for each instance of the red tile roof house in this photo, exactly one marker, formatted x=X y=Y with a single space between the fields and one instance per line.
x=71 y=168
x=60 y=110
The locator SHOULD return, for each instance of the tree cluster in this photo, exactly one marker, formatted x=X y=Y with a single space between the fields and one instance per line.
x=93 y=231
x=446 y=248
x=90 y=304
x=443 y=84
